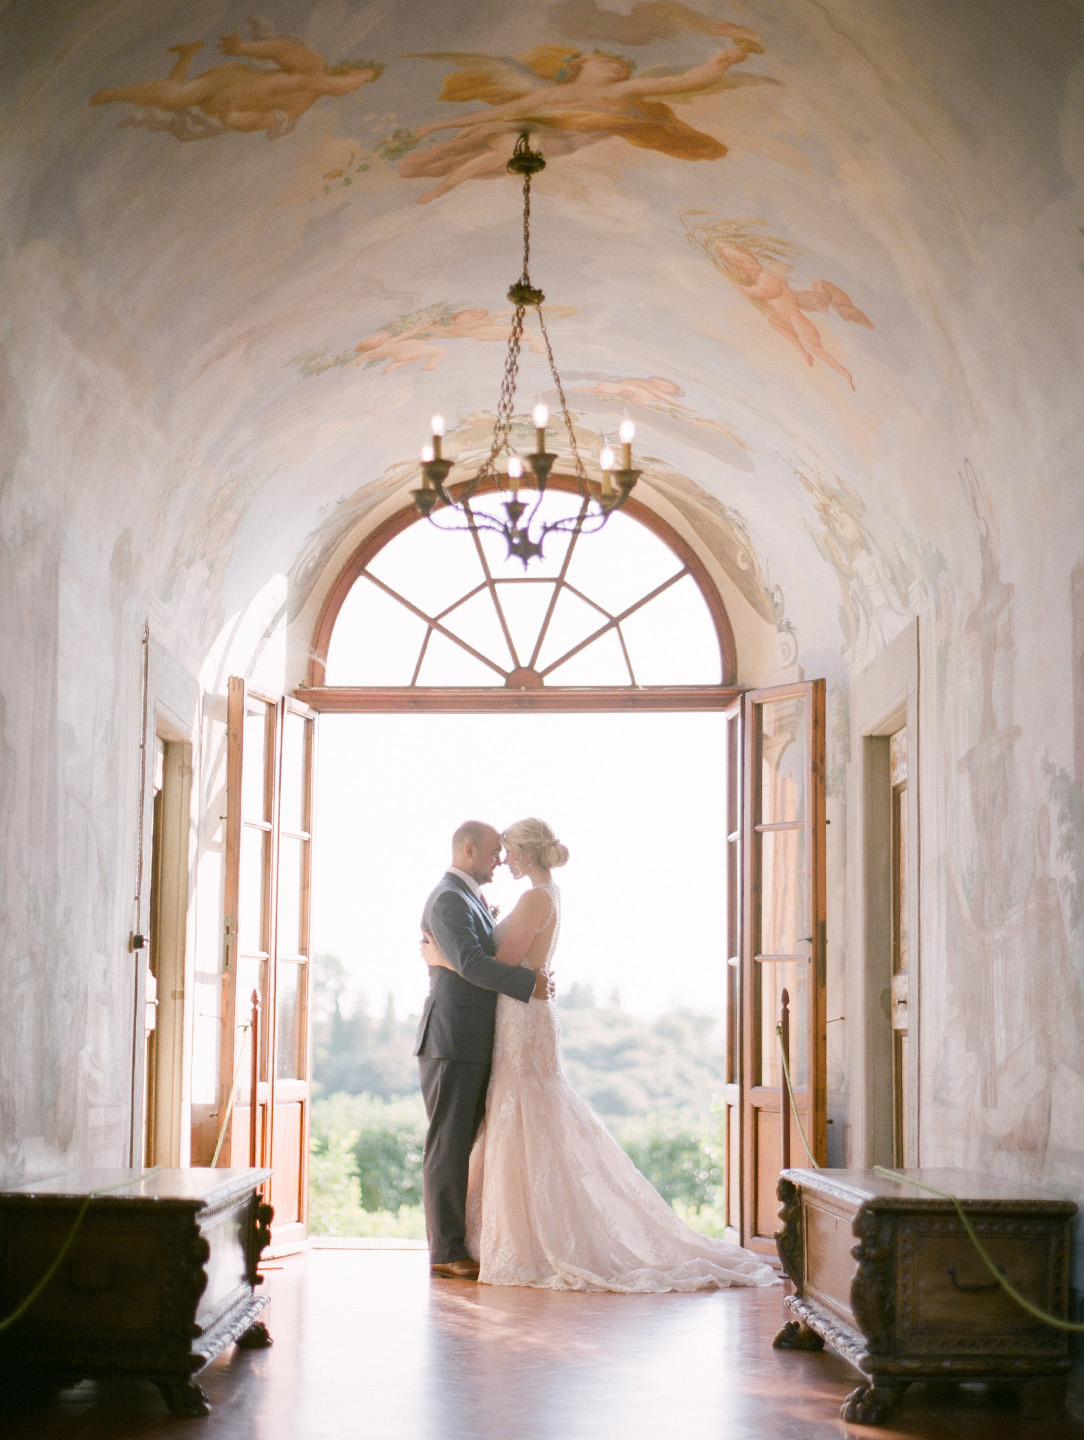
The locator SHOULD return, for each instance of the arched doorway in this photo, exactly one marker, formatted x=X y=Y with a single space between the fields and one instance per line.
x=418 y=622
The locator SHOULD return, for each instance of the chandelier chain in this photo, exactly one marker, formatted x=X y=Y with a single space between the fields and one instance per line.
x=581 y=473
x=507 y=398
x=526 y=227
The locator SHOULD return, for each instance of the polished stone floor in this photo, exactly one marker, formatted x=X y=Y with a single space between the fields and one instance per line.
x=367 y=1345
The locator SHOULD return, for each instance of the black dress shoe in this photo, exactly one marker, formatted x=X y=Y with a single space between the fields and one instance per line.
x=464 y=1269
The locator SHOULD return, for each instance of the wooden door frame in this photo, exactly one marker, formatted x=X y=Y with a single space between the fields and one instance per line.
x=170 y=851
x=884 y=697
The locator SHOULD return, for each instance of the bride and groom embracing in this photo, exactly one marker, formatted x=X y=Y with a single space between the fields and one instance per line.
x=523 y=1184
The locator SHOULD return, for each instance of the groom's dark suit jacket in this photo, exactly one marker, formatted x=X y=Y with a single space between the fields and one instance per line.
x=457 y=1020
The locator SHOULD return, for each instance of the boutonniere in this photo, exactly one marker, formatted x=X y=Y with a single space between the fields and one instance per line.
x=494 y=910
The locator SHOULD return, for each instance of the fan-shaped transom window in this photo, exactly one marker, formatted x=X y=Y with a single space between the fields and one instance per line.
x=429 y=609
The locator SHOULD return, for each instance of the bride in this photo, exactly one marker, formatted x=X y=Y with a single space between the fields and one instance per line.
x=553 y=1200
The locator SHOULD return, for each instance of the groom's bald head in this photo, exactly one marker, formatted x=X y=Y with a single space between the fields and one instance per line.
x=476 y=850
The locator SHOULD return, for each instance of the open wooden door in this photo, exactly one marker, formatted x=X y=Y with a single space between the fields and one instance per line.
x=782 y=941
x=266 y=972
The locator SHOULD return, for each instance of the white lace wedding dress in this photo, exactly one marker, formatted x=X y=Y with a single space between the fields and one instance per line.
x=554 y=1201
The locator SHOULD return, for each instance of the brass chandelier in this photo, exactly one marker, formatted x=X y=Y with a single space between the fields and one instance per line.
x=523 y=528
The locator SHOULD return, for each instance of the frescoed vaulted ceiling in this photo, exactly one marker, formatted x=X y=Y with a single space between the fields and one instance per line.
x=826 y=256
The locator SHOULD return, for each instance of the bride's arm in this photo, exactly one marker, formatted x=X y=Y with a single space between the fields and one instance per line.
x=433 y=956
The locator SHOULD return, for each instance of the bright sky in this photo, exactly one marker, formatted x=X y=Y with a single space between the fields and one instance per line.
x=636 y=798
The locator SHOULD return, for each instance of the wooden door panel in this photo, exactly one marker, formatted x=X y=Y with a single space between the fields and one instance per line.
x=782 y=940
x=286 y=1194
x=270 y=768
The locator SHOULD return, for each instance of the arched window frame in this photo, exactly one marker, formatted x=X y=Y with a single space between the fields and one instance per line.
x=479 y=699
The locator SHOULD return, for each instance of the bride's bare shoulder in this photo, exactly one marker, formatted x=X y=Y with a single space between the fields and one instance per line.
x=533 y=904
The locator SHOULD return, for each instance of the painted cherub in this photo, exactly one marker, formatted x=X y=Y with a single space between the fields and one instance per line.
x=569 y=99
x=650 y=392
x=756 y=265
x=238 y=96
x=405 y=348
x=414 y=341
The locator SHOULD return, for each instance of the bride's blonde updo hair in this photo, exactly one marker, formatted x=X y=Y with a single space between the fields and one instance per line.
x=537 y=841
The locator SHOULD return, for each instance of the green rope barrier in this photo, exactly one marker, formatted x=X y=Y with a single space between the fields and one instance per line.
x=21 y=1310
x=1010 y=1290
x=795 y=1111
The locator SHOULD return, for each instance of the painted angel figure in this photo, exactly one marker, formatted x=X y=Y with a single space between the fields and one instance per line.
x=238 y=96
x=758 y=266
x=569 y=99
x=406 y=344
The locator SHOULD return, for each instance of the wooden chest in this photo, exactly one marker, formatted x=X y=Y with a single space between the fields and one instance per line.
x=886 y=1274
x=159 y=1277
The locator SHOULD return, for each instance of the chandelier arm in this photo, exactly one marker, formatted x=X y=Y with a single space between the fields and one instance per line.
x=481 y=521
x=589 y=522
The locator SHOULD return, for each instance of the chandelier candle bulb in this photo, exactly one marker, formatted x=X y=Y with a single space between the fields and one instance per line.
x=627 y=431
x=437 y=425
x=541 y=416
x=428 y=453
x=606 y=462
x=515 y=468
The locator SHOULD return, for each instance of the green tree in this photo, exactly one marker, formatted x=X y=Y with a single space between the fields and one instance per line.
x=384 y=1139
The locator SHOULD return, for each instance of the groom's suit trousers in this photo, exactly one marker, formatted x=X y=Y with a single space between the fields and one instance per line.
x=454 y=1092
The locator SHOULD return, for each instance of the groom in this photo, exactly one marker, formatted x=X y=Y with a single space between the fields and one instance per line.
x=455 y=1037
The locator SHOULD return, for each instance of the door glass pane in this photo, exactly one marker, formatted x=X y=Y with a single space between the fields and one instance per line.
x=784 y=899
x=772 y=978
x=782 y=760
x=252 y=928
x=292 y=796
x=288 y=1062
x=293 y=853
x=255 y=796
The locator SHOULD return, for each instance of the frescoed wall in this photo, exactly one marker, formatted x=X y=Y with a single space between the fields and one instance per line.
x=833 y=276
